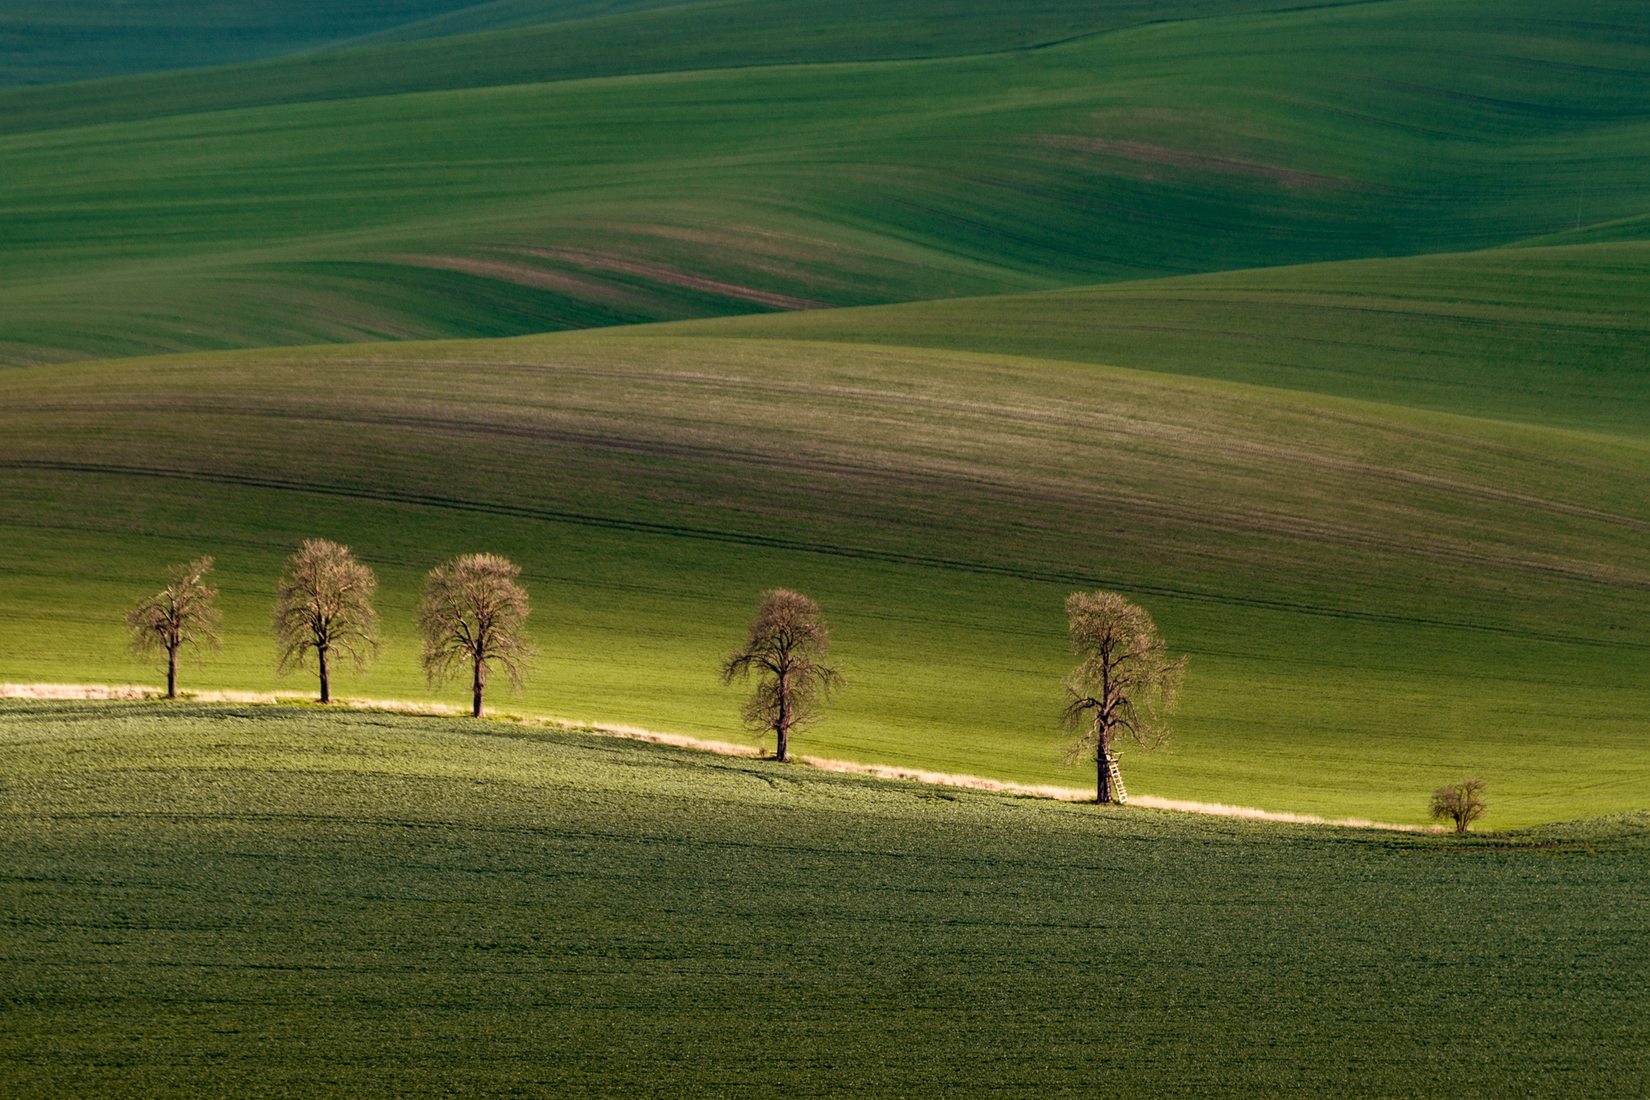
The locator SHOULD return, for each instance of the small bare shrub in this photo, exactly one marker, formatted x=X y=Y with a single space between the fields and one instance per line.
x=1461 y=802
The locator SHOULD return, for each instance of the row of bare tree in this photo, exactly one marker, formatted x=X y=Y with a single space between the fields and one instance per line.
x=1122 y=689
x=474 y=613
x=473 y=617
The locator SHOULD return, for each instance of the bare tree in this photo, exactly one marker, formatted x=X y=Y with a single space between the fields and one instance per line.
x=323 y=606
x=181 y=614
x=1461 y=802
x=786 y=649
x=1125 y=685
x=473 y=615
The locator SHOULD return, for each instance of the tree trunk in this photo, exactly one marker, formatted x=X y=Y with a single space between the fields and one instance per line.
x=479 y=684
x=172 y=672
x=1102 y=774
x=326 y=680
x=782 y=728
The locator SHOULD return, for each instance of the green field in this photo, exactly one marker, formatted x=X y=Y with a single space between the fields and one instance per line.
x=1375 y=599
x=280 y=901
x=1388 y=495
x=566 y=178
x=1553 y=336
x=49 y=41
x=1320 y=330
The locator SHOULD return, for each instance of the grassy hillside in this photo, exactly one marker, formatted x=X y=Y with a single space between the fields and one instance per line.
x=1394 y=509
x=1556 y=335
x=1317 y=329
x=285 y=902
x=539 y=41
x=1214 y=142
x=515 y=15
x=1375 y=599
x=43 y=41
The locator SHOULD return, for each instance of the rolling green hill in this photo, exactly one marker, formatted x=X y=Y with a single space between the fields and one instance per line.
x=43 y=41
x=278 y=901
x=538 y=41
x=1557 y=335
x=1375 y=597
x=461 y=193
x=1317 y=329
x=1390 y=498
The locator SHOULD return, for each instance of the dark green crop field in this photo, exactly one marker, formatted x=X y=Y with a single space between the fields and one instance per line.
x=281 y=901
x=781 y=156
x=47 y=41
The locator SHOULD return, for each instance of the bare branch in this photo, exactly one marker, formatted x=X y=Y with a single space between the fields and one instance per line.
x=786 y=646
x=474 y=615
x=181 y=615
x=323 y=605
x=1460 y=802
x=1125 y=684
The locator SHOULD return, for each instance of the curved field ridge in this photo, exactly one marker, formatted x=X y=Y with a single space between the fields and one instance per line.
x=380 y=904
x=135 y=692
x=1554 y=335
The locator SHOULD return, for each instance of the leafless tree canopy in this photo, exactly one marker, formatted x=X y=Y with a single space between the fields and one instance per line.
x=1125 y=684
x=786 y=649
x=473 y=615
x=179 y=615
x=323 y=607
x=1462 y=803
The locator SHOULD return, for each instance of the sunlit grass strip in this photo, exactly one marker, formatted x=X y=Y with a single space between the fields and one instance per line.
x=134 y=692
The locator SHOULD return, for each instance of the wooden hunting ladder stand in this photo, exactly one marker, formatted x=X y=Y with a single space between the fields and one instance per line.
x=1114 y=780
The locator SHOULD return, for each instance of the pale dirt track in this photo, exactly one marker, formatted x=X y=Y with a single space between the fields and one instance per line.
x=69 y=692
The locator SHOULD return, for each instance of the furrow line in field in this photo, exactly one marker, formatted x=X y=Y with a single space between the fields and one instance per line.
x=1202 y=440
x=776 y=542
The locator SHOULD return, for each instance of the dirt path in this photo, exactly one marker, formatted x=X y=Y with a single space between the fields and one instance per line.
x=94 y=692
